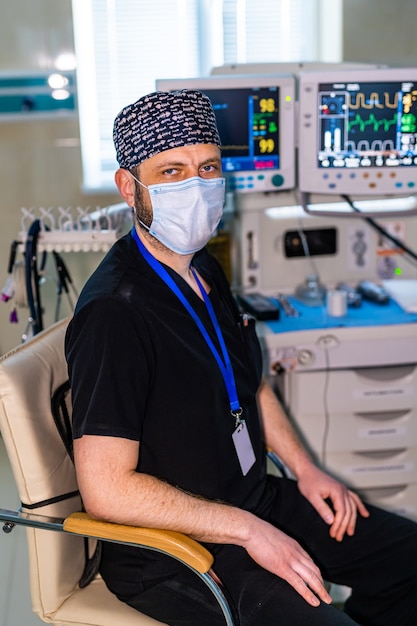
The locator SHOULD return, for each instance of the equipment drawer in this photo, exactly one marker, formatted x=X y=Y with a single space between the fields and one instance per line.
x=352 y=391
x=374 y=468
x=364 y=430
x=400 y=499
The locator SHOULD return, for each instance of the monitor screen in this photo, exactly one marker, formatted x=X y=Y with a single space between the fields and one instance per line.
x=255 y=118
x=358 y=131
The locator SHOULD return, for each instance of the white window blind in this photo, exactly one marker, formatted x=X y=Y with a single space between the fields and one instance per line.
x=123 y=46
x=270 y=30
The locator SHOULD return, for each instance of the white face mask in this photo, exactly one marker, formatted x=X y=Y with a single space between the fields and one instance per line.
x=186 y=213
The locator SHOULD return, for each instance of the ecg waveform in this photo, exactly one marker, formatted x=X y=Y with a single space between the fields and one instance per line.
x=373 y=122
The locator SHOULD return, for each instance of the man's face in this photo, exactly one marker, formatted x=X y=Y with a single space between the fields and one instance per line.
x=173 y=166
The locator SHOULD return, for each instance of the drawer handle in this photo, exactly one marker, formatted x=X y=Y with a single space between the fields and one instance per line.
x=383 y=492
x=382 y=416
x=380 y=454
x=385 y=374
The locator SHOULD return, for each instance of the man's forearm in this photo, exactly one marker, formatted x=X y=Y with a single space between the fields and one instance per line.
x=279 y=434
x=112 y=490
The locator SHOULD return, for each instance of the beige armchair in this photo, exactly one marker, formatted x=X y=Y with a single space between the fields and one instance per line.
x=51 y=505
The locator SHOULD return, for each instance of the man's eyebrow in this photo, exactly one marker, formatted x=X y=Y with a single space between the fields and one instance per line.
x=211 y=159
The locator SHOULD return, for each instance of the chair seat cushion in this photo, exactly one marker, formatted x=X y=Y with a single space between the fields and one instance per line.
x=95 y=605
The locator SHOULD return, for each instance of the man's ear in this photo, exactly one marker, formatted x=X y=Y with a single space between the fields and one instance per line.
x=126 y=186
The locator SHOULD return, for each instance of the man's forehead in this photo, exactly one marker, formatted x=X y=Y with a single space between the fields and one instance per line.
x=196 y=154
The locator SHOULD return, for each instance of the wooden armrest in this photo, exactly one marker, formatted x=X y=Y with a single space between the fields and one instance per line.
x=176 y=544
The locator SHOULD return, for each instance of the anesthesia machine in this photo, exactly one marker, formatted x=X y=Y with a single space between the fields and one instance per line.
x=321 y=167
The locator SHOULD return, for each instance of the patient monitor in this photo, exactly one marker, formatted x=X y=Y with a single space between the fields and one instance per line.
x=255 y=116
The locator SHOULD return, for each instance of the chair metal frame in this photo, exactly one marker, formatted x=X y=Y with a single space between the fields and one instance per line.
x=178 y=546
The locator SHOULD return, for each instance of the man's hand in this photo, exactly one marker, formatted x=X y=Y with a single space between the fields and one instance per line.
x=280 y=554
x=317 y=487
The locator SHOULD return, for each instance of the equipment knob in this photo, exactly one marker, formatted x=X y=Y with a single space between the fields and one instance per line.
x=305 y=357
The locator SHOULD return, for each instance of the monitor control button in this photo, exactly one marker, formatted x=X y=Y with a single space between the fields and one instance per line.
x=277 y=180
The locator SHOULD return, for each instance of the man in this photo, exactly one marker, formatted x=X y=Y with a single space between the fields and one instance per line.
x=171 y=415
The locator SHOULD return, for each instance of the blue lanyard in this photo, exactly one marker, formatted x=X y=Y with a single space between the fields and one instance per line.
x=224 y=363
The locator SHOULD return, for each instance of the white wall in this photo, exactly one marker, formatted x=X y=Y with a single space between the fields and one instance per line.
x=380 y=31
x=38 y=166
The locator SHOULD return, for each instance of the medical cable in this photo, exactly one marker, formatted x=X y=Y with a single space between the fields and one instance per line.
x=19 y=281
x=325 y=317
x=64 y=283
x=308 y=255
x=380 y=229
x=32 y=278
x=324 y=440
x=306 y=248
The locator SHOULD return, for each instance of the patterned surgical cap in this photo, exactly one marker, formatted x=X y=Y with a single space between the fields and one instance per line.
x=161 y=121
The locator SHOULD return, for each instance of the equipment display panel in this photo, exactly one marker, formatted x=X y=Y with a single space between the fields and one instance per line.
x=255 y=117
x=358 y=131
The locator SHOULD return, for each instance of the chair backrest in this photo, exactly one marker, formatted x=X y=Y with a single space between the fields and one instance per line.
x=43 y=470
x=30 y=376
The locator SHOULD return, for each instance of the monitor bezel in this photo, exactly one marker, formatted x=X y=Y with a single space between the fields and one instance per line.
x=287 y=154
x=370 y=181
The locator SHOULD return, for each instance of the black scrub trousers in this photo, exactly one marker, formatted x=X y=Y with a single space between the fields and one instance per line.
x=379 y=562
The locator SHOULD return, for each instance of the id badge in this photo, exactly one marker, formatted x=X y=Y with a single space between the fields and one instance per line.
x=243 y=446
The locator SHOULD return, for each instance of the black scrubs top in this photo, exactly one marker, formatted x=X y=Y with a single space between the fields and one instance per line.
x=140 y=369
